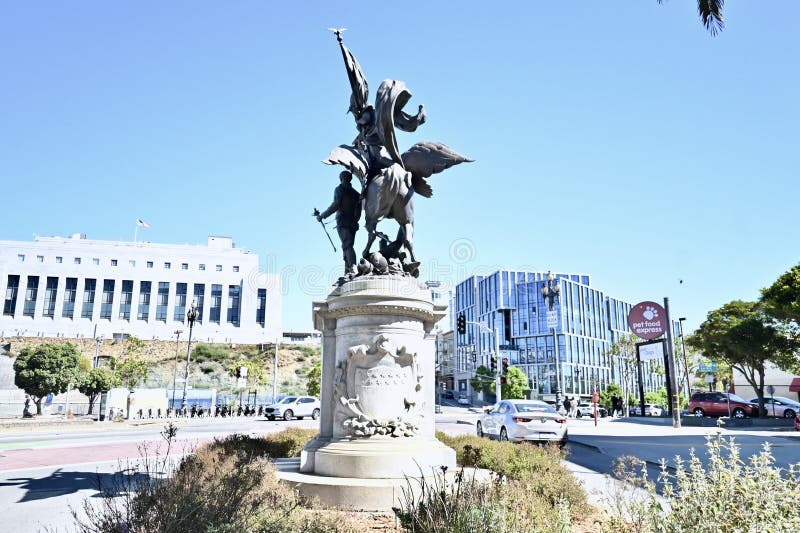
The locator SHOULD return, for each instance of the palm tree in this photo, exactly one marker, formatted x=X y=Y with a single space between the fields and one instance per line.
x=710 y=12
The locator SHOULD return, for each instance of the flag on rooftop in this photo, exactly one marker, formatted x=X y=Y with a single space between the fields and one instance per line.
x=141 y=223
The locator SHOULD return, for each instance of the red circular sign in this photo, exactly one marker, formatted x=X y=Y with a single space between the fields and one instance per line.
x=648 y=320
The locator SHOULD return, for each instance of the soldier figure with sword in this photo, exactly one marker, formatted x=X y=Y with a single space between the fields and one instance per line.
x=347 y=206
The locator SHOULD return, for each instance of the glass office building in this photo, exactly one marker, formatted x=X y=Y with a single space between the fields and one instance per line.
x=587 y=324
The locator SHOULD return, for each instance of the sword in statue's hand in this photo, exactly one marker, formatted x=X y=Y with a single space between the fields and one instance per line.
x=316 y=214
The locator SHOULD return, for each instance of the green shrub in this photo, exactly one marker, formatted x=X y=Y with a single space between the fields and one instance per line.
x=210 y=352
x=729 y=495
x=209 y=492
x=286 y=443
x=538 y=468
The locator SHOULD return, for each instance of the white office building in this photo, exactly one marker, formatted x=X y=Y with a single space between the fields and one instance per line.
x=76 y=287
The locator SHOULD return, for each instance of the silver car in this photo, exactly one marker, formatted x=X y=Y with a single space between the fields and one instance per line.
x=293 y=407
x=778 y=406
x=523 y=420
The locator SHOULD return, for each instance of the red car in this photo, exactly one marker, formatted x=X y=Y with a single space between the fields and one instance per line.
x=716 y=404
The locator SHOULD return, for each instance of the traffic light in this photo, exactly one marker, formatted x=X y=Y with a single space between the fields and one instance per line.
x=494 y=364
x=505 y=365
x=238 y=372
x=503 y=380
x=461 y=324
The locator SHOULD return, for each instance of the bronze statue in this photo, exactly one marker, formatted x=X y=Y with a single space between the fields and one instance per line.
x=347 y=206
x=389 y=179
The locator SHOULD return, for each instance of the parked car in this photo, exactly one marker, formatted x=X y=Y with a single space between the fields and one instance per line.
x=650 y=409
x=587 y=409
x=716 y=404
x=464 y=400
x=448 y=394
x=293 y=407
x=523 y=420
x=779 y=406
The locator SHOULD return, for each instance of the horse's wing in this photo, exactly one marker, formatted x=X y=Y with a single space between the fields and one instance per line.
x=427 y=158
x=350 y=158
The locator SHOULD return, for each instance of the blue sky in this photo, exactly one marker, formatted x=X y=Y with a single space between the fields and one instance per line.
x=617 y=139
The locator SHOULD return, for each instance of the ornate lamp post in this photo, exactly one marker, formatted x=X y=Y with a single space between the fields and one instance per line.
x=550 y=294
x=191 y=316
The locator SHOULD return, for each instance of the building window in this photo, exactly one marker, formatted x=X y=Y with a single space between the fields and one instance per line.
x=184 y=266
x=21 y=257
x=70 y=293
x=89 y=287
x=125 y=299
x=167 y=265
x=180 y=302
x=132 y=262
x=95 y=260
x=10 y=304
x=77 y=260
x=236 y=268
x=59 y=259
x=31 y=293
x=144 y=301
x=113 y=262
x=108 y=299
x=261 y=311
x=149 y=264
x=216 y=303
x=162 y=301
x=201 y=266
x=234 y=299
x=219 y=268
x=50 y=292
x=40 y=258
x=199 y=299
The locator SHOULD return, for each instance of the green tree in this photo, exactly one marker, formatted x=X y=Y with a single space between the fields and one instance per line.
x=255 y=371
x=483 y=381
x=782 y=298
x=611 y=390
x=314 y=376
x=45 y=369
x=134 y=346
x=516 y=384
x=95 y=382
x=710 y=12
x=131 y=370
x=743 y=335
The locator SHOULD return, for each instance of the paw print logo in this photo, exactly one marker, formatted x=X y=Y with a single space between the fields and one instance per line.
x=650 y=313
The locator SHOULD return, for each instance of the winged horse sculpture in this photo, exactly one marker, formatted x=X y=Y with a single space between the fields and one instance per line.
x=389 y=179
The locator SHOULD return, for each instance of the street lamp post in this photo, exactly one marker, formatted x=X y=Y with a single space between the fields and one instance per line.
x=175 y=368
x=550 y=294
x=191 y=316
x=98 y=342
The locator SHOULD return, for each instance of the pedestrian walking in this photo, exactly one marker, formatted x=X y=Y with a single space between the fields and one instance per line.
x=573 y=407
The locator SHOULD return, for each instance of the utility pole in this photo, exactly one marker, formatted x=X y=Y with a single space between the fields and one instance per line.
x=497 y=387
x=675 y=400
x=275 y=370
x=175 y=368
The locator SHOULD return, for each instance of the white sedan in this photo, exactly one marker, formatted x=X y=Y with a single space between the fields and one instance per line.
x=293 y=407
x=523 y=420
x=650 y=409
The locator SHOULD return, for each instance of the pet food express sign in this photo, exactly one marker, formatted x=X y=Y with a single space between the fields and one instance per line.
x=648 y=320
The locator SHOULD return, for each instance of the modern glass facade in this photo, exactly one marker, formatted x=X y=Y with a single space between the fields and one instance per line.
x=587 y=324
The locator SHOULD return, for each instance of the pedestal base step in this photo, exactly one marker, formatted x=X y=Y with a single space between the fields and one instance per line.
x=357 y=494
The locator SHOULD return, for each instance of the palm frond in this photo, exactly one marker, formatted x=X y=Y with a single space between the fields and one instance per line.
x=710 y=12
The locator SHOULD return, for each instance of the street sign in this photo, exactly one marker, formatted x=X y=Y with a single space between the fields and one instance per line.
x=771 y=390
x=709 y=368
x=651 y=350
x=241 y=383
x=648 y=320
x=595 y=397
x=710 y=378
x=552 y=320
